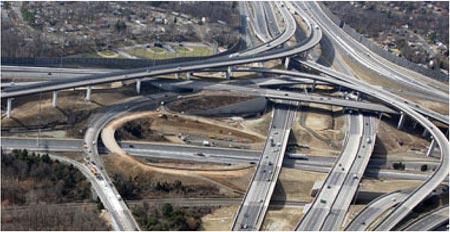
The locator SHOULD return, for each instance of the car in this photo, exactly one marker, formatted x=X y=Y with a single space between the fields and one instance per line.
x=131 y=146
x=260 y=200
x=286 y=94
x=199 y=154
x=244 y=226
x=49 y=73
x=270 y=163
x=369 y=140
x=93 y=142
x=317 y=27
x=323 y=201
x=355 y=176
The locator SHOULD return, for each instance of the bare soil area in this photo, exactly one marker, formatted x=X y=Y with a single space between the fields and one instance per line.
x=71 y=114
x=220 y=219
x=173 y=125
x=295 y=184
x=318 y=130
x=391 y=140
x=282 y=218
x=382 y=185
x=205 y=101
x=193 y=183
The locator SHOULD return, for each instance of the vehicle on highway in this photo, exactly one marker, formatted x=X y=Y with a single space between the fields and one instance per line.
x=199 y=154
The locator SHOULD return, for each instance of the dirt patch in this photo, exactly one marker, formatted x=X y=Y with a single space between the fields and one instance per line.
x=194 y=184
x=139 y=129
x=277 y=219
x=70 y=115
x=174 y=125
x=381 y=185
x=391 y=140
x=318 y=130
x=295 y=184
x=220 y=219
x=259 y=125
x=204 y=102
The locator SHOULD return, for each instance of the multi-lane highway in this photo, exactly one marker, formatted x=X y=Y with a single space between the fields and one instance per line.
x=69 y=83
x=350 y=186
x=211 y=155
x=274 y=94
x=341 y=181
x=256 y=201
x=430 y=221
x=363 y=55
x=329 y=208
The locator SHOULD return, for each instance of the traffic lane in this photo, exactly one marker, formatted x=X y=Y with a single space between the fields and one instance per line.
x=212 y=154
x=334 y=181
x=251 y=214
x=366 y=59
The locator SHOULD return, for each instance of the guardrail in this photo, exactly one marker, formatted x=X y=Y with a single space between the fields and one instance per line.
x=381 y=52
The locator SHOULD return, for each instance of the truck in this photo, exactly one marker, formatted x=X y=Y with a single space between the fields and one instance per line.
x=206 y=143
x=298 y=156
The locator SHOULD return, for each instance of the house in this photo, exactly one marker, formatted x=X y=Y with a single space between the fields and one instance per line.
x=160 y=20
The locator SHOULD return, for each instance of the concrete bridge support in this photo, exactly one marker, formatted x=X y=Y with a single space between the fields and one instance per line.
x=414 y=124
x=55 y=99
x=229 y=74
x=88 y=93
x=425 y=132
x=9 y=107
x=401 y=121
x=188 y=75
x=286 y=63
x=431 y=147
x=138 y=86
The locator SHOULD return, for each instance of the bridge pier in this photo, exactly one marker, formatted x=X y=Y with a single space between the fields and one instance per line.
x=88 y=93
x=9 y=107
x=55 y=99
x=313 y=86
x=286 y=63
x=431 y=147
x=229 y=74
x=425 y=132
x=188 y=75
x=138 y=86
x=414 y=124
x=401 y=121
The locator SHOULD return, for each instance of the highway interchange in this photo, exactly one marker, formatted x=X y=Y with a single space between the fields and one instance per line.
x=330 y=205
